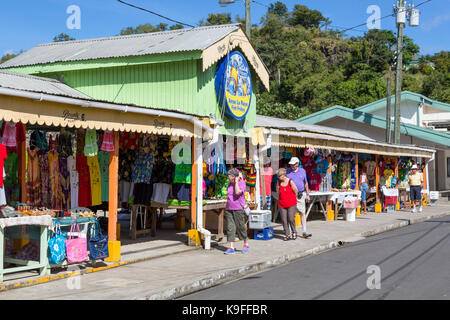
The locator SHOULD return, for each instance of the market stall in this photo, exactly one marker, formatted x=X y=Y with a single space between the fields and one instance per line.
x=333 y=160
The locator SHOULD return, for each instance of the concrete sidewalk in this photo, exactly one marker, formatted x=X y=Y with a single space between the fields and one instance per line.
x=167 y=268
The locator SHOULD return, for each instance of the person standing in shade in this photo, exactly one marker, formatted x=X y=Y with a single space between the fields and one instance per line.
x=298 y=175
x=363 y=187
x=268 y=174
x=234 y=211
x=287 y=201
x=415 y=181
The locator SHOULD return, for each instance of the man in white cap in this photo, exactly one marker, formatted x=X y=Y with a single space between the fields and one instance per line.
x=298 y=175
x=415 y=181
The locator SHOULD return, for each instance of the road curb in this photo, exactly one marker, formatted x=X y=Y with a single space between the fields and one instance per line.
x=241 y=272
x=65 y=275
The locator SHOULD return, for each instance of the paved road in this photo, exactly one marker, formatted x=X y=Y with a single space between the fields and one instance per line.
x=414 y=263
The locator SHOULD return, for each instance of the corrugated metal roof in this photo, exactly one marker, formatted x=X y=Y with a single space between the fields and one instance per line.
x=190 y=39
x=18 y=81
x=277 y=123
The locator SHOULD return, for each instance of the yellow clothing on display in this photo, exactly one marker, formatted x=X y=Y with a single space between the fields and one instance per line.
x=96 y=183
x=388 y=173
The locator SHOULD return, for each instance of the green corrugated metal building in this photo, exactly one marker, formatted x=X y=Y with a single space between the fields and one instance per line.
x=173 y=70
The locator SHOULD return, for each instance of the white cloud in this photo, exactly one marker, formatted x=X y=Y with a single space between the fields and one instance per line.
x=437 y=21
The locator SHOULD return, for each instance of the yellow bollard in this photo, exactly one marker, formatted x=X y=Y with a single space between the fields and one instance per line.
x=194 y=238
x=397 y=206
x=298 y=220
x=114 y=251
x=358 y=211
x=378 y=207
x=330 y=216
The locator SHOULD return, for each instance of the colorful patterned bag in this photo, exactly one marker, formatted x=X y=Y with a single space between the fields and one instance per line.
x=76 y=248
x=57 y=247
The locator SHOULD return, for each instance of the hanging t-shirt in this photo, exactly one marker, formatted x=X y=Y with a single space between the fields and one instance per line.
x=107 y=143
x=11 y=169
x=95 y=180
x=2 y=191
x=103 y=160
x=3 y=157
x=90 y=147
x=370 y=167
x=84 y=190
x=9 y=135
x=322 y=166
x=183 y=173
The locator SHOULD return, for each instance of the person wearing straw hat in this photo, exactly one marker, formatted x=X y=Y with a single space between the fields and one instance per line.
x=298 y=175
x=415 y=181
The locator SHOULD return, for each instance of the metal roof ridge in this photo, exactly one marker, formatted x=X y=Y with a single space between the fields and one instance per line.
x=139 y=35
x=29 y=76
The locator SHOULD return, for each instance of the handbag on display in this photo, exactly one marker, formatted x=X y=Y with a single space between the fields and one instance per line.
x=57 y=247
x=98 y=244
x=76 y=248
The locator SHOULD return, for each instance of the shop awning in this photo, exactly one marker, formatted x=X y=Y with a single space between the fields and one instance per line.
x=48 y=113
x=305 y=139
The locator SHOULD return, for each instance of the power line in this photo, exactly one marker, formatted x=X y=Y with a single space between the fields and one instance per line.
x=386 y=16
x=156 y=14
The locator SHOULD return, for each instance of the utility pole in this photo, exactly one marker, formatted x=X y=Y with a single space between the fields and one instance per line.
x=388 y=111
x=401 y=16
x=401 y=19
x=223 y=3
x=247 y=18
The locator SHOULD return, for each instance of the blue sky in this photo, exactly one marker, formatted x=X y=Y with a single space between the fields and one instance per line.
x=26 y=23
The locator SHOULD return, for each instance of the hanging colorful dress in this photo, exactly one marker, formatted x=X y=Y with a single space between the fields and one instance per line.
x=95 y=180
x=33 y=179
x=65 y=183
x=55 y=183
x=84 y=182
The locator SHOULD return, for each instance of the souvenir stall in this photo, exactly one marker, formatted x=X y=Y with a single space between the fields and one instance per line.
x=66 y=179
x=367 y=164
x=334 y=186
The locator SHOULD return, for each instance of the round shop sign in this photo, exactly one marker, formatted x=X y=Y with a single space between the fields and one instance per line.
x=233 y=85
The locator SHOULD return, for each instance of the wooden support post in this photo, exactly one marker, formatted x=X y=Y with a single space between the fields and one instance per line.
x=356 y=171
x=262 y=182
x=397 y=205
x=378 y=207
x=425 y=186
x=113 y=244
x=194 y=185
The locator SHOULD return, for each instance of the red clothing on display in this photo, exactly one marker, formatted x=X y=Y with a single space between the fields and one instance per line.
x=3 y=157
x=286 y=196
x=315 y=182
x=84 y=179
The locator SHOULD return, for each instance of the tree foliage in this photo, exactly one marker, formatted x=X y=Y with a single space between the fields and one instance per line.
x=62 y=37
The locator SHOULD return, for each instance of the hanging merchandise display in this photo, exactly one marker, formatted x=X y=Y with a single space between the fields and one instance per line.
x=95 y=180
x=33 y=179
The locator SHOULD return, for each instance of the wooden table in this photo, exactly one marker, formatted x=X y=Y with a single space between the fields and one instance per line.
x=216 y=206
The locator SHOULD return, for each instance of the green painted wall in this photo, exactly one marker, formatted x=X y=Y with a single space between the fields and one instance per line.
x=179 y=85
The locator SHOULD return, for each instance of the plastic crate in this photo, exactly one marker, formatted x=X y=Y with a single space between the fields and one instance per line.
x=263 y=234
x=259 y=219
